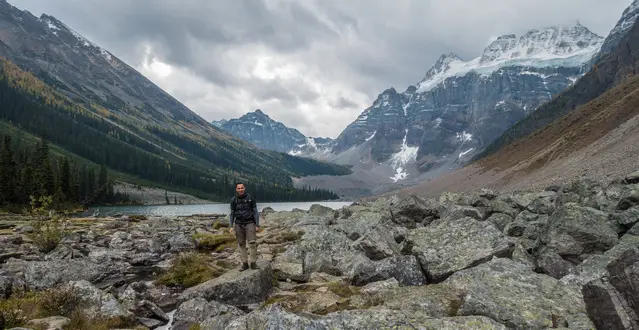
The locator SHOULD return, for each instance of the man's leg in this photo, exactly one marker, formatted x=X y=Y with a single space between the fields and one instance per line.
x=251 y=237
x=240 y=236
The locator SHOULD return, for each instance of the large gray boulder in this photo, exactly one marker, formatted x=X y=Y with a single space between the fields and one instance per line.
x=574 y=230
x=509 y=293
x=413 y=211
x=208 y=315
x=236 y=287
x=613 y=301
x=96 y=302
x=446 y=247
x=40 y=275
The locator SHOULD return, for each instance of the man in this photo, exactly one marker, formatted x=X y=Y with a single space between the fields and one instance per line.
x=245 y=222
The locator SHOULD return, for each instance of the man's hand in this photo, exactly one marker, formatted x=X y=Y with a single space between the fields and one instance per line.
x=231 y=230
x=257 y=229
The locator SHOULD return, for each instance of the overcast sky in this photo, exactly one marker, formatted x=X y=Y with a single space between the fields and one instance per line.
x=312 y=64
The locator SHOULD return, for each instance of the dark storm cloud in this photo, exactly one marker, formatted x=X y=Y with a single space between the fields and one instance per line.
x=317 y=56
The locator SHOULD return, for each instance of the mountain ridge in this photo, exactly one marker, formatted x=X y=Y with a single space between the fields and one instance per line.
x=129 y=103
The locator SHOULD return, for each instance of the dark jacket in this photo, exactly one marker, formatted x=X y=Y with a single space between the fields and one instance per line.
x=244 y=210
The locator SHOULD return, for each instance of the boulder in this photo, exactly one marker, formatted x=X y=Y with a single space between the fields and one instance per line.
x=574 y=230
x=208 y=315
x=509 y=293
x=500 y=220
x=628 y=218
x=454 y=212
x=446 y=247
x=320 y=210
x=96 y=302
x=40 y=275
x=377 y=244
x=50 y=323
x=412 y=210
x=613 y=301
x=405 y=269
x=549 y=262
x=235 y=287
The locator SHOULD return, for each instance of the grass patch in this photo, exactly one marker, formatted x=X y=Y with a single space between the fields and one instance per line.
x=190 y=269
x=291 y=236
x=343 y=290
x=214 y=242
x=137 y=217
x=220 y=224
x=22 y=307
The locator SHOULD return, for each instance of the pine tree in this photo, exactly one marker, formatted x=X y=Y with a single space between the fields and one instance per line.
x=7 y=173
x=65 y=180
x=46 y=181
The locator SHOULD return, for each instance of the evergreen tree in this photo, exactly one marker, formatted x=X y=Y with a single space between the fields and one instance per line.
x=65 y=180
x=7 y=173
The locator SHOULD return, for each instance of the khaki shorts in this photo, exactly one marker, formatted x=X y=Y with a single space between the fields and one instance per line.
x=244 y=232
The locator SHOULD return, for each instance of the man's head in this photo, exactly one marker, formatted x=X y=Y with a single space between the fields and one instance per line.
x=239 y=188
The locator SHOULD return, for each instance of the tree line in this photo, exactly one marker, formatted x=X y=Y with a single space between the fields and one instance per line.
x=28 y=171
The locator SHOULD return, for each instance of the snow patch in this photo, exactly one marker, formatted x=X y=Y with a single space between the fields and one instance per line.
x=465 y=152
x=295 y=152
x=372 y=136
x=399 y=160
x=464 y=137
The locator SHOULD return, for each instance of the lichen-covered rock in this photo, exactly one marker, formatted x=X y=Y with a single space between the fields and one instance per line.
x=377 y=245
x=454 y=212
x=595 y=266
x=208 y=315
x=405 y=269
x=632 y=178
x=501 y=206
x=627 y=218
x=549 y=262
x=235 y=287
x=613 y=301
x=412 y=210
x=96 y=302
x=437 y=300
x=284 y=269
x=379 y=286
x=574 y=230
x=40 y=275
x=508 y=292
x=373 y=319
x=449 y=246
x=51 y=322
x=500 y=220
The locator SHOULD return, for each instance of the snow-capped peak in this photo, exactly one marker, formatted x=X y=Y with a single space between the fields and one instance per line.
x=548 y=42
x=442 y=65
x=557 y=46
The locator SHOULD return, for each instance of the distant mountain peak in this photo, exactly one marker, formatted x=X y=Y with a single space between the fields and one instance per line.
x=554 y=46
x=442 y=64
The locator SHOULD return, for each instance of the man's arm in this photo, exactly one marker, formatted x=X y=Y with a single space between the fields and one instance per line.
x=232 y=213
x=257 y=214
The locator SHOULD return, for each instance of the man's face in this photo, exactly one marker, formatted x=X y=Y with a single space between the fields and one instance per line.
x=239 y=189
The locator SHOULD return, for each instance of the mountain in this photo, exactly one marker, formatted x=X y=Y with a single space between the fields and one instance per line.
x=259 y=129
x=590 y=130
x=458 y=108
x=124 y=120
x=614 y=64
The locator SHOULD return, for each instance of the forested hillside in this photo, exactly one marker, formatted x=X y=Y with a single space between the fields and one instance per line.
x=188 y=163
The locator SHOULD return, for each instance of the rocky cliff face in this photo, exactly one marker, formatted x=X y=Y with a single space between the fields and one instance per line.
x=459 y=107
x=625 y=23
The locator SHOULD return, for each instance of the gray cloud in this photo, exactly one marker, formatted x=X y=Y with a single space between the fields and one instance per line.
x=312 y=64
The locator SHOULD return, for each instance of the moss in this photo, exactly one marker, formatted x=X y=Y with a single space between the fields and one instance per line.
x=190 y=269
x=195 y=327
x=453 y=307
x=343 y=290
x=137 y=217
x=207 y=241
x=229 y=245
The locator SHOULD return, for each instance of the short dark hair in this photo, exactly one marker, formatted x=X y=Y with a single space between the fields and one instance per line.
x=238 y=183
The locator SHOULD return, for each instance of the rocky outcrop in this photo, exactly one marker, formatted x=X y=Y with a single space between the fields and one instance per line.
x=235 y=288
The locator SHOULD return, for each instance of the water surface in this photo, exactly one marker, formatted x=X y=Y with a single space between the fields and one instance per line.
x=185 y=210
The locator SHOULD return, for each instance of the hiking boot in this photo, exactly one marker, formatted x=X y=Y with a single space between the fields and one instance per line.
x=253 y=265
x=245 y=266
